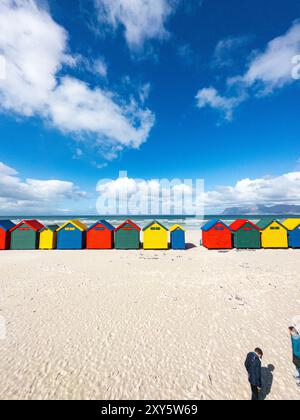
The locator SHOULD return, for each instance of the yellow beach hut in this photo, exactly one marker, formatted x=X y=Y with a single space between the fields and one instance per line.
x=155 y=236
x=48 y=237
x=273 y=234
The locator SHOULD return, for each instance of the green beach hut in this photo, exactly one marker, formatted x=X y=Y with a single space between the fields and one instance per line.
x=246 y=235
x=127 y=236
x=25 y=235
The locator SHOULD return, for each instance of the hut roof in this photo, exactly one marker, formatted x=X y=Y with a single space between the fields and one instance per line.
x=128 y=222
x=265 y=223
x=239 y=224
x=6 y=225
x=53 y=228
x=33 y=224
x=104 y=223
x=209 y=225
x=175 y=227
x=291 y=224
x=153 y=223
x=76 y=223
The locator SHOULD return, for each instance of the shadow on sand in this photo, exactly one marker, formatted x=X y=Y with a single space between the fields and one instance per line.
x=267 y=380
x=190 y=246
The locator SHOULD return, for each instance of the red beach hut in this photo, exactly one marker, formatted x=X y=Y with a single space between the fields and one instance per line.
x=5 y=227
x=217 y=235
x=100 y=236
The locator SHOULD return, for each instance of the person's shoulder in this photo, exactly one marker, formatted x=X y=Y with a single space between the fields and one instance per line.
x=251 y=355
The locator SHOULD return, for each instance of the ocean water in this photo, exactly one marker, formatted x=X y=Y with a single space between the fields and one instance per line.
x=188 y=222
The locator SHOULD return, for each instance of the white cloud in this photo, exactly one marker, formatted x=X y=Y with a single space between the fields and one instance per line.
x=76 y=108
x=250 y=192
x=209 y=97
x=100 y=67
x=142 y=20
x=140 y=196
x=267 y=71
x=36 y=49
x=272 y=68
x=17 y=194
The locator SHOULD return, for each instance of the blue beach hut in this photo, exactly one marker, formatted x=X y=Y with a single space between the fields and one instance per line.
x=294 y=238
x=72 y=235
x=293 y=226
x=177 y=237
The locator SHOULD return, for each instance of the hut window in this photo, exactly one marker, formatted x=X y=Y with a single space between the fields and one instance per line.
x=24 y=229
x=275 y=228
x=70 y=229
x=99 y=228
x=127 y=229
x=155 y=228
x=219 y=228
x=248 y=228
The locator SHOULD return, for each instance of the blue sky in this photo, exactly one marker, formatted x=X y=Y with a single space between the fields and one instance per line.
x=157 y=88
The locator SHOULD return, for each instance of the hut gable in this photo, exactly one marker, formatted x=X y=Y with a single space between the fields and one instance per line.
x=51 y=228
x=154 y=225
x=77 y=224
x=215 y=224
x=176 y=227
x=243 y=224
x=291 y=224
x=102 y=223
x=6 y=225
x=31 y=224
x=128 y=224
x=265 y=223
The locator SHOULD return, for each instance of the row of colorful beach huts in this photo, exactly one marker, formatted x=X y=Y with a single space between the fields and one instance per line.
x=244 y=234
x=72 y=235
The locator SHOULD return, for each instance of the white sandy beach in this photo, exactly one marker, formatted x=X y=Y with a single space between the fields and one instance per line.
x=145 y=325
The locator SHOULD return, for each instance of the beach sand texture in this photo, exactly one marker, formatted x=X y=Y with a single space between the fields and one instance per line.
x=146 y=325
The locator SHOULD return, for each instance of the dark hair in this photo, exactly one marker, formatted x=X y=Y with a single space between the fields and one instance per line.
x=259 y=351
x=293 y=330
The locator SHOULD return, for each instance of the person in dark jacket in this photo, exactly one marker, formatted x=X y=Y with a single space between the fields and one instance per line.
x=253 y=367
x=296 y=351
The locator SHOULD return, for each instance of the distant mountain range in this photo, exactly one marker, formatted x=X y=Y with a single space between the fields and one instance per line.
x=276 y=210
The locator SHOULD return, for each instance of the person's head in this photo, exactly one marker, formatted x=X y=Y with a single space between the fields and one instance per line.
x=259 y=352
x=293 y=331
